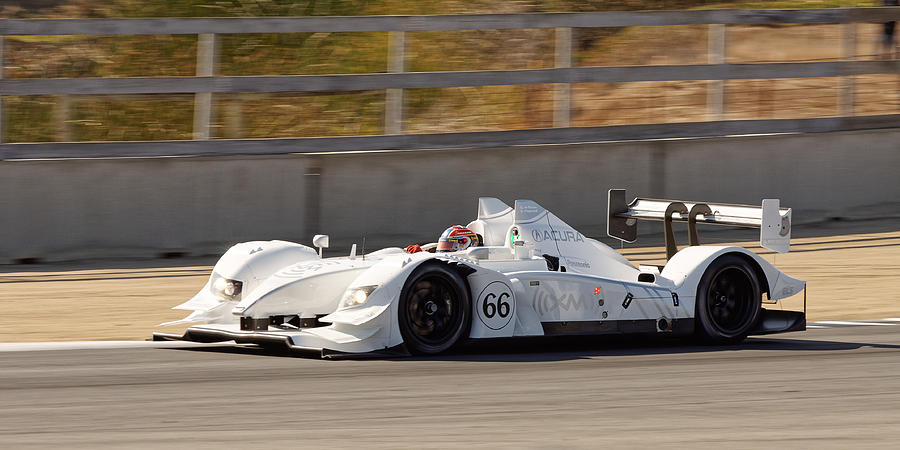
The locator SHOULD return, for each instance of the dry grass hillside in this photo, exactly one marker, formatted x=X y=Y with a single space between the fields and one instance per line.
x=144 y=117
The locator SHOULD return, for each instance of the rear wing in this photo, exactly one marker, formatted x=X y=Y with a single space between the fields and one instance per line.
x=773 y=221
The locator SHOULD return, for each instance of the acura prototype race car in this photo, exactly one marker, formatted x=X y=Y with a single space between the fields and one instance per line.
x=532 y=275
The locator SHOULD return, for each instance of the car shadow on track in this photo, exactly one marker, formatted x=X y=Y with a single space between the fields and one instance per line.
x=560 y=349
x=550 y=349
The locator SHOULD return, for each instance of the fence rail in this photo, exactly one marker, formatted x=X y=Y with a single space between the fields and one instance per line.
x=206 y=83
x=438 y=141
x=378 y=81
x=238 y=25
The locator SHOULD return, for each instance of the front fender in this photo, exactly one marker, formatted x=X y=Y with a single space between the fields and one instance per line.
x=307 y=289
x=380 y=308
x=252 y=262
x=248 y=262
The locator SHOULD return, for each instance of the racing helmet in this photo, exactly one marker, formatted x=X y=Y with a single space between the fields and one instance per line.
x=457 y=238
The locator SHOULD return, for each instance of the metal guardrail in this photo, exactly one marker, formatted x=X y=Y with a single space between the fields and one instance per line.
x=205 y=84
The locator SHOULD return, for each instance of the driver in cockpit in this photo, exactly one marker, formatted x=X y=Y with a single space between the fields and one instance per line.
x=453 y=239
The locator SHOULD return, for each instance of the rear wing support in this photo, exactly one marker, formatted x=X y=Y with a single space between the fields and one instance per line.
x=773 y=221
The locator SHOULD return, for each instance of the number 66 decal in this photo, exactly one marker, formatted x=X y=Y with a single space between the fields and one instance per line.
x=501 y=307
x=495 y=305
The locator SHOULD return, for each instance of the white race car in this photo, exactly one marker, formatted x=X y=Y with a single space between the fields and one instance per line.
x=533 y=276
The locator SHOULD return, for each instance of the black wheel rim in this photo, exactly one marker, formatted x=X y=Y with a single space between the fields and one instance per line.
x=433 y=311
x=730 y=301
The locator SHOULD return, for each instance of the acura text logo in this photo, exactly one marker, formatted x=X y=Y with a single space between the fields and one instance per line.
x=554 y=235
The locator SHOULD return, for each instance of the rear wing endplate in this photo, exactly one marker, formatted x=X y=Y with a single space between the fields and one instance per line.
x=773 y=221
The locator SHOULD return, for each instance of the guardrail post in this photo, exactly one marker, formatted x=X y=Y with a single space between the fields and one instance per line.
x=562 y=95
x=206 y=64
x=848 y=82
x=393 y=114
x=715 y=90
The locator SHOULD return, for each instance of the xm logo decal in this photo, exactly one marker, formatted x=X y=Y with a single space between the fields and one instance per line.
x=549 y=305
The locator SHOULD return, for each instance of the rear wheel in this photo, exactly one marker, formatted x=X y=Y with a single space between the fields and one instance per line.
x=728 y=300
x=434 y=309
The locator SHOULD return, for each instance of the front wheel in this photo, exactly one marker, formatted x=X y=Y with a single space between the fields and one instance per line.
x=434 y=309
x=728 y=300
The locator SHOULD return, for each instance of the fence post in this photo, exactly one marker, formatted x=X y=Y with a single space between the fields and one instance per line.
x=61 y=110
x=234 y=117
x=848 y=82
x=715 y=90
x=206 y=64
x=562 y=95
x=393 y=114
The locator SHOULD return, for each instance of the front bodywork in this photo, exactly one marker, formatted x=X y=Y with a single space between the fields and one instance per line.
x=535 y=276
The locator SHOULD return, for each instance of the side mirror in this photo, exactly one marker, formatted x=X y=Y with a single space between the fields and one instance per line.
x=320 y=241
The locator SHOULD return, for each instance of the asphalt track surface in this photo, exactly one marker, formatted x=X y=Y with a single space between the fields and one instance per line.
x=834 y=387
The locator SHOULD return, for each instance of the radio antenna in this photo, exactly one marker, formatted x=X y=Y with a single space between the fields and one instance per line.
x=364 y=248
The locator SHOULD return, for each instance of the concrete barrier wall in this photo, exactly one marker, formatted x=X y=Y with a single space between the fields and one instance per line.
x=121 y=207
x=87 y=208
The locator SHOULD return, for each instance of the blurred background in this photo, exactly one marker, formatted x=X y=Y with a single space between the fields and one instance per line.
x=89 y=123
x=42 y=118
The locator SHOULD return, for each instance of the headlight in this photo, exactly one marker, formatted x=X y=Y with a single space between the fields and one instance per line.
x=227 y=289
x=356 y=296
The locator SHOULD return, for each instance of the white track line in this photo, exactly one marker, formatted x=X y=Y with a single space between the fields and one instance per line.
x=93 y=345
x=848 y=323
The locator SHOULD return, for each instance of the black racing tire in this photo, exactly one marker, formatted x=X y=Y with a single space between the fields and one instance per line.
x=435 y=309
x=729 y=300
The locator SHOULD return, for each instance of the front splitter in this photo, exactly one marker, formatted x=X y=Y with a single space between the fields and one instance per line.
x=273 y=339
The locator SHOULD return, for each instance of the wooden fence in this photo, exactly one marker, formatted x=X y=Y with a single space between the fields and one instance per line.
x=206 y=84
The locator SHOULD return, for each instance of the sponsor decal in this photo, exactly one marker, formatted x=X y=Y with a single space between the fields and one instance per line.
x=304 y=269
x=458 y=259
x=546 y=303
x=627 y=301
x=541 y=235
x=577 y=263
